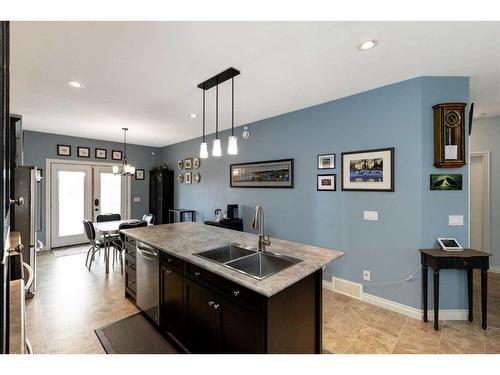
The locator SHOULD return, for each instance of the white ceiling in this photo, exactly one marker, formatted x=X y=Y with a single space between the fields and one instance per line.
x=143 y=75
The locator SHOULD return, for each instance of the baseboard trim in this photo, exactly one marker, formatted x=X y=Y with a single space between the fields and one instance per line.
x=412 y=312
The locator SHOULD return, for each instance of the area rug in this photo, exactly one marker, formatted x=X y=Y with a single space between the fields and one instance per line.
x=65 y=251
x=133 y=335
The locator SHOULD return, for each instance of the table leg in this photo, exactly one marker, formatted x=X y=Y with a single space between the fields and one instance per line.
x=484 y=296
x=424 y=290
x=436 y=300
x=181 y=217
x=106 y=252
x=470 y=293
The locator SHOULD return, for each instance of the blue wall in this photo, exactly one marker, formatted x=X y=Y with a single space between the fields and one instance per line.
x=486 y=137
x=398 y=115
x=38 y=147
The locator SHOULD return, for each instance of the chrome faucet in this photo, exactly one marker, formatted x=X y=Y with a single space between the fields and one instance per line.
x=258 y=223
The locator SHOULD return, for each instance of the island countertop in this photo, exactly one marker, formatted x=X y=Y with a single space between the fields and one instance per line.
x=183 y=240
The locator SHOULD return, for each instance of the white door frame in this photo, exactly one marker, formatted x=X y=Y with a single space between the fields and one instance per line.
x=486 y=208
x=48 y=189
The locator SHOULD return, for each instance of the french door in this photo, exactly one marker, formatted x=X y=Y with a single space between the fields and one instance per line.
x=71 y=200
x=81 y=191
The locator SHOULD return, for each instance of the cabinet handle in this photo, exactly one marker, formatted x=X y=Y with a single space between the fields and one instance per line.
x=170 y=260
x=197 y=274
x=211 y=303
x=169 y=271
x=216 y=306
x=236 y=293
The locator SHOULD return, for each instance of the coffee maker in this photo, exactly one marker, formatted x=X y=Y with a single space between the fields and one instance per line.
x=232 y=211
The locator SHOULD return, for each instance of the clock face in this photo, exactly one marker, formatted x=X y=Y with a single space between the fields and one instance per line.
x=452 y=119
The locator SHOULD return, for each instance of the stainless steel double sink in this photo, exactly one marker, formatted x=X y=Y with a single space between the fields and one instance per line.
x=248 y=260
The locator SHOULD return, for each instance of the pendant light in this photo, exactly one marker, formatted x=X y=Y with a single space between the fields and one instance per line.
x=216 y=147
x=203 y=146
x=125 y=169
x=232 y=141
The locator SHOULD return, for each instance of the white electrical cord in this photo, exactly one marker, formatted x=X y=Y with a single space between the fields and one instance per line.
x=396 y=282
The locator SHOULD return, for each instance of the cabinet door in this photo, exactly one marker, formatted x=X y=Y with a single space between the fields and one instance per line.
x=173 y=302
x=200 y=318
x=240 y=329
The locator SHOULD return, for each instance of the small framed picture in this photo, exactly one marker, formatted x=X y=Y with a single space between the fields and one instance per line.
x=326 y=182
x=63 y=150
x=445 y=182
x=83 y=152
x=326 y=161
x=196 y=163
x=116 y=155
x=188 y=177
x=101 y=153
x=180 y=164
x=188 y=163
x=139 y=174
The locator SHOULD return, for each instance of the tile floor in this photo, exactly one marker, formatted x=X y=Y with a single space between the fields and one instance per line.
x=71 y=302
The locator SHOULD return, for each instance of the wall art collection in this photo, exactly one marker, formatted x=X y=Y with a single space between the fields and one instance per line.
x=189 y=176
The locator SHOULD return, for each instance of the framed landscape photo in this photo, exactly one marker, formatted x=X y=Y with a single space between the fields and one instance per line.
x=101 y=153
x=326 y=161
x=63 y=150
x=83 y=152
x=262 y=174
x=368 y=170
x=139 y=174
x=116 y=155
x=445 y=182
x=326 y=182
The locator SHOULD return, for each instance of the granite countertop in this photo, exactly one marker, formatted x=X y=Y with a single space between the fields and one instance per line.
x=185 y=239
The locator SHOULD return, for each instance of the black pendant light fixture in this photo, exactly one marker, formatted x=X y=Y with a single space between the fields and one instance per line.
x=215 y=81
x=125 y=169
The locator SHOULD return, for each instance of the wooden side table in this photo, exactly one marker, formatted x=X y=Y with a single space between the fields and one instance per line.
x=468 y=259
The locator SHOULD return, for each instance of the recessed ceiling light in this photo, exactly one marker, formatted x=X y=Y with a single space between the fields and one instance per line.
x=76 y=84
x=368 y=45
x=193 y=115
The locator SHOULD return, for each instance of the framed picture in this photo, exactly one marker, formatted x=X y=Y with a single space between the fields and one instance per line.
x=262 y=174
x=326 y=182
x=180 y=164
x=101 y=153
x=83 y=152
x=368 y=170
x=188 y=163
x=196 y=178
x=39 y=174
x=116 y=155
x=326 y=161
x=180 y=178
x=445 y=182
x=139 y=174
x=63 y=150
x=188 y=177
x=196 y=163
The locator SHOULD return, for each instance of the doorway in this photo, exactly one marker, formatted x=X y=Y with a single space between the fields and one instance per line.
x=78 y=191
x=480 y=201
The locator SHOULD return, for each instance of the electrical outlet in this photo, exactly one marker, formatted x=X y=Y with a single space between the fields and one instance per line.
x=370 y=215
x=137 y=199
x=366 y=275
x=456 y=220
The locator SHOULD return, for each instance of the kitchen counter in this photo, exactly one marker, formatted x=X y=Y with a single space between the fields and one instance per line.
x=184 y=239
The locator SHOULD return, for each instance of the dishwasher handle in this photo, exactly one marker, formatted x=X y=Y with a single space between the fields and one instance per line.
x=147 y=252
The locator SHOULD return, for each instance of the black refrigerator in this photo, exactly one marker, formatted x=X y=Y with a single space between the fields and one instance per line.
x=161 y=194
x=5 y=185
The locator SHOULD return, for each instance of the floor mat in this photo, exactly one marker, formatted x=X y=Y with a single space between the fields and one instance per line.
x=133 y=335
x=65 y=251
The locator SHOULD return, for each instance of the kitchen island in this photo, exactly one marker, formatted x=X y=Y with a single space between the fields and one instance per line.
x=206 y=307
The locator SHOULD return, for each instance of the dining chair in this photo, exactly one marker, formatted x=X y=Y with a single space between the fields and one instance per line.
x=94 y=243
x=119 y=243
x=108 y=217
x=149 y=218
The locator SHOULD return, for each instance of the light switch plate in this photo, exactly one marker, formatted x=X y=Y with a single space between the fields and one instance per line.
x=137 y=199
x=456 y=220
x=370 y=215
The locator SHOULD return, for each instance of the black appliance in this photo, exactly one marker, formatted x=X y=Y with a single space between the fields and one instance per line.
x=161 y=194
x=232 y=211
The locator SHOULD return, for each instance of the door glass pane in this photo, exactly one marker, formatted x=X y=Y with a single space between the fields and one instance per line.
x=71 y=203
x=111 y=197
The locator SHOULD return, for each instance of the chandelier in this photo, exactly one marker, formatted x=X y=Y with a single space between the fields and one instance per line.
x=125 y=169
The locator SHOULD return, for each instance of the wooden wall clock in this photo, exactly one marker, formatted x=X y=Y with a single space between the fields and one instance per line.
x=449 y=135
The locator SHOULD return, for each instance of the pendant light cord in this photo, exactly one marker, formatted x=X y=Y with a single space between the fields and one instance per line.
x=203 y=115
x=232 y=107
x=217 y=112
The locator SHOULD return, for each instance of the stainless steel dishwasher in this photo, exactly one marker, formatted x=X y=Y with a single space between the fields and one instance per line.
x=148 y=292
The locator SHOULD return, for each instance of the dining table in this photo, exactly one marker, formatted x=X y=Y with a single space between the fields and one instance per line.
x=109 y=229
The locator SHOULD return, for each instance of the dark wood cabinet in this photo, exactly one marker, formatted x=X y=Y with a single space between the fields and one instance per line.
x=161 y=194
x=130 y=269
x=172 y=311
